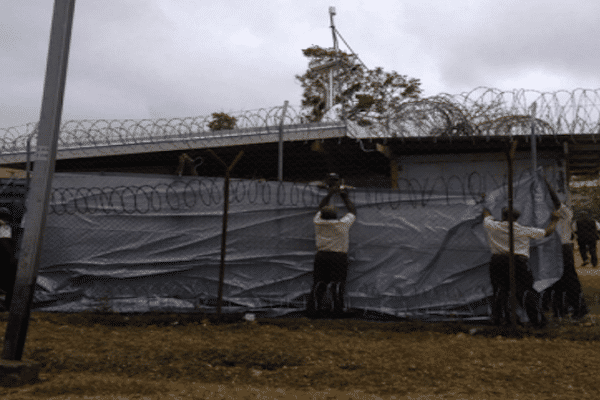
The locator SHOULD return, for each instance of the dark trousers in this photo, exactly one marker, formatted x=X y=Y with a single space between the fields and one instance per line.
x=527 y=297
x=8 y=271
x=330 y=270
x=588 y=246
x=565 y=295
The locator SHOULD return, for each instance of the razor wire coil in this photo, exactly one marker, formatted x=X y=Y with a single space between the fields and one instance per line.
x=480 y=112
x=194 y=193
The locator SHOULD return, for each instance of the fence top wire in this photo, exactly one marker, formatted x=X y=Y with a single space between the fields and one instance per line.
x=194 y=193
x=480 y=112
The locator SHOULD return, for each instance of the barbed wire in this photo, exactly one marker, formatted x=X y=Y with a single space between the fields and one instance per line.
x=480 y=112
x=566 y=112
x=491 y=112
x=188 y=194
x=96 y=133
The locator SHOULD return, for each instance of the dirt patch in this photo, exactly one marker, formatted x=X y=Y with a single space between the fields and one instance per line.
x=186 y=356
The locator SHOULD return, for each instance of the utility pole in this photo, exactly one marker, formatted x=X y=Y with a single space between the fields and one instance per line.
x=38 y=197
x=330 y=94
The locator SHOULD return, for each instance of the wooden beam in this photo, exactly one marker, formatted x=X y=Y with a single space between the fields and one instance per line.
x=394 y=173
x=576 y=156
x=585 y=172
x=583 y=165
x=584 y=147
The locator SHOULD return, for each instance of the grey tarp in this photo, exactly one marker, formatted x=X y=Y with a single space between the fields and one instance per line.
x=138 y=243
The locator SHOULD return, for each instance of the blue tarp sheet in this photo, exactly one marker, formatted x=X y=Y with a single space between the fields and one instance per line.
x=139 y=243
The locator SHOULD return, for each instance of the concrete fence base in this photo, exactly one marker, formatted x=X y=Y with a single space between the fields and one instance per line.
x=17 y=373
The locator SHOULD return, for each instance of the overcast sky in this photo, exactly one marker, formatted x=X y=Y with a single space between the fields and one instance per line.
x=135 y=59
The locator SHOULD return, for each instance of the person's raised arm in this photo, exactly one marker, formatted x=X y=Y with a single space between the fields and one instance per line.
x=552 y=225
x=486 y=212
x=553 y=195
x=348 y=202
x=326 y=199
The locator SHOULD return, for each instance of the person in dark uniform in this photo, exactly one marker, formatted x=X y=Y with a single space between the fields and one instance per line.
x=587 y=236
x=565 y=296
x=331 y=260
x=8 y=262
x=498 y=240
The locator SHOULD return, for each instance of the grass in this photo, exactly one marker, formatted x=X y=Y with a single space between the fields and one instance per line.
x=190 y=356
x=105 y=355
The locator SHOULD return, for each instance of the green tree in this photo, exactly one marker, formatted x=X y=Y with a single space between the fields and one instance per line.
x=222 y=121
x=365 y=95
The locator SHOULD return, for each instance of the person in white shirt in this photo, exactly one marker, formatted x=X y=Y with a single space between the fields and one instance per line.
x=331 y=261
x=565 y=296
x=498 y=240
x=8 y=262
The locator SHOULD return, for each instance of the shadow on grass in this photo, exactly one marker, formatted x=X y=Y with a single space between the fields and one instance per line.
x=556 y=329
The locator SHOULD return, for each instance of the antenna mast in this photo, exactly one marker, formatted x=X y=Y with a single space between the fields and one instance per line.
x=331 y=14
x=329 y=64
x=330 y=94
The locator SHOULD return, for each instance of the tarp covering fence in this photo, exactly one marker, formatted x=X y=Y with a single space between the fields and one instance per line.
x=138 y=243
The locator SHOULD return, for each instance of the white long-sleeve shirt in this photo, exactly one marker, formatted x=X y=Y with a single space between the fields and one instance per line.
x=498 y=236
x=565 y=223
x=333 y=234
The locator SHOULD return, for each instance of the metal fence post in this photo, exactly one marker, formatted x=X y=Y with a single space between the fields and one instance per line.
x=511 y=237
x=225 y=218
x=38 y=198
x=533 y=140
x=280 y=158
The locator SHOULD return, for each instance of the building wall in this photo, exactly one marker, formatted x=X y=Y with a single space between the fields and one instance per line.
x=482 y=169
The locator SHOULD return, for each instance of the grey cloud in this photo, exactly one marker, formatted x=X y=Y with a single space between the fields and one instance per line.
x=146 y=58
x=500 y=39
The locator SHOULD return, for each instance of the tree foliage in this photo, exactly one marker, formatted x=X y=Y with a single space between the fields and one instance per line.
x=222 y=121
x=365 y=95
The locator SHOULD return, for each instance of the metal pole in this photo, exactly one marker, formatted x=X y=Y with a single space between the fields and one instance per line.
x=330 y=90
x=280 y=159
x=511 y=238
x=566 y=162
x=45 y=160
x=332 y=26
x=533 y=139
x=28 y=164
x=228 y=170
x=223 y=242
x=330 y=94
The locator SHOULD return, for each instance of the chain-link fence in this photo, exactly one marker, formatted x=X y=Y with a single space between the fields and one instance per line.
x=136 y=216
x=140 y=243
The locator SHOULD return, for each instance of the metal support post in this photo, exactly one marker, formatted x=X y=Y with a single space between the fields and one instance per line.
x=45 y=160
x=330 y=91
x=533 y=140
x=28 y=164
x=511 y=237
x=567 y=170
x=228 y=170
x=280 y=158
